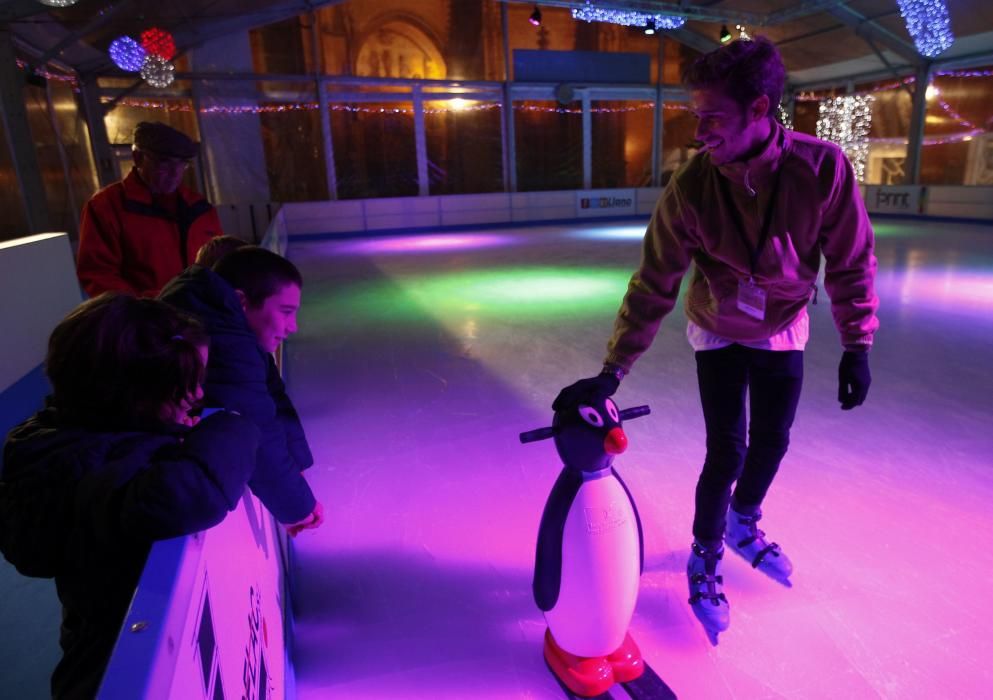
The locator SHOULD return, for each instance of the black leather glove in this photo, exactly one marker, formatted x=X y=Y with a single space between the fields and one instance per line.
x=587 y=391
x=853 y=379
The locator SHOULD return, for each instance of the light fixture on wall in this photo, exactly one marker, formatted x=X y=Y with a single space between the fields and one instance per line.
x=725 y=34
x=535 y=17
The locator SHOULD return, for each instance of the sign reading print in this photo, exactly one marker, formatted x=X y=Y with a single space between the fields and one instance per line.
x=894 y=200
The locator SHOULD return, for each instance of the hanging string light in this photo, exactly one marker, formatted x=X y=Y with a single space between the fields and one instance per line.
x=127 y=54
x=159 y=43
x=784 y=117
x=742 y=32
x=58 y=3
x=928 y=25
x=627 y=18
x=182 y=106
x=846 y=121
x=158 y=72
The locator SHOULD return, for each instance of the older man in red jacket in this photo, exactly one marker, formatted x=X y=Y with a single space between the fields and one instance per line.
x=139 y=233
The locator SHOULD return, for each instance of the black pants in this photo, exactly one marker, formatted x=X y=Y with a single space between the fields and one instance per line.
x=771 y=380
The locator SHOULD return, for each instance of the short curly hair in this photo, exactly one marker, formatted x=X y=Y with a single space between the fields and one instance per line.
x=116 y=360
x=743 y=70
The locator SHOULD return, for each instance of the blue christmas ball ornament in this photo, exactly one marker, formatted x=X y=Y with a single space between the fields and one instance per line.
x=127 y=54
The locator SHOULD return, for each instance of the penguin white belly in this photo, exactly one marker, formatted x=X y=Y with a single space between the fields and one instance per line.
x=601 y=562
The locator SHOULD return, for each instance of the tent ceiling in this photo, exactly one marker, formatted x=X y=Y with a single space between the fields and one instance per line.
x=821 y=40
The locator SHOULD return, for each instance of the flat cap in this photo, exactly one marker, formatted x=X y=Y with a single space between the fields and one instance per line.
x=162 y=140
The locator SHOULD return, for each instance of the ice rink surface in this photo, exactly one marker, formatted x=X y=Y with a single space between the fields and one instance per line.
x=420 y=359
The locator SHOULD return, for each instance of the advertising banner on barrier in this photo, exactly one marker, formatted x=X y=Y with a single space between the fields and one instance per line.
x=595 y=203
x=891 y=199
x=217 y=631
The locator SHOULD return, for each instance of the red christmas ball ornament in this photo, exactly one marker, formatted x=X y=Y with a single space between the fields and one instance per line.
x=158 y=42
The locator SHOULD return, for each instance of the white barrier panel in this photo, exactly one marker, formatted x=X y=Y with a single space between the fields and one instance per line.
x=207 y=619
x=959 y=202
x=38 y=287
x=594 y=203
x=454 y=211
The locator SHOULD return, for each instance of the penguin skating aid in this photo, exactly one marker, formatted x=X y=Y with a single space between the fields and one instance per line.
x=589 y=558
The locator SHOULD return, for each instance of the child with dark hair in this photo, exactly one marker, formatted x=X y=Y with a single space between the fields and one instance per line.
x=753 y=212
x=112 y=464
x=248 y=304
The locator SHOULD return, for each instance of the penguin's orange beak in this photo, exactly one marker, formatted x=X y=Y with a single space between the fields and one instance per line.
x=615 y=442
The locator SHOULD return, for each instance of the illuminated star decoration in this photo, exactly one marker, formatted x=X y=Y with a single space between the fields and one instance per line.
x=127 y=54
x=592 y=13
x=928 y=24
x=846 y=121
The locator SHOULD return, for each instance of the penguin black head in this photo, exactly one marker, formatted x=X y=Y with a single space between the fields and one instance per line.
x=588 y=436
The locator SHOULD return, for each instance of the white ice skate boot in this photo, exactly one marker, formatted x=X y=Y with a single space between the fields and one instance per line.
x=706 y=588
x=744 y=537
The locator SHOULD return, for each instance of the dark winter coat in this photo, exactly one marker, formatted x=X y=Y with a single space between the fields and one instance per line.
x=86 y=506
x=242 y=377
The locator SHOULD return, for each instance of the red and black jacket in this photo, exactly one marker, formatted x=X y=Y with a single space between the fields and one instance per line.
x=129 y=243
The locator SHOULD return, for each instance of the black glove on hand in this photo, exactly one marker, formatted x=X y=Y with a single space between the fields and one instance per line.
x=586 y=391
x=853 y=379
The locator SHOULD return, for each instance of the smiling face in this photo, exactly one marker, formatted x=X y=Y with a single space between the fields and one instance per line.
x=276 y=318
x=728 y=131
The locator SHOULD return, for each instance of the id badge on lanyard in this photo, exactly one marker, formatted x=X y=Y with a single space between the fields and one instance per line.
x=751 y=299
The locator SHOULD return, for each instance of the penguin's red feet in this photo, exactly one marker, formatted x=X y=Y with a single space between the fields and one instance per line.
x=586 y=676
x=626 y=661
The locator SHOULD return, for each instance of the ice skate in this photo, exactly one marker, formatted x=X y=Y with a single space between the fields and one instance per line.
x=706 y=589
x=745 y=538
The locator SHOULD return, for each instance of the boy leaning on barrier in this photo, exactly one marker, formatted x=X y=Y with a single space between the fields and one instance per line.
x=113 y=463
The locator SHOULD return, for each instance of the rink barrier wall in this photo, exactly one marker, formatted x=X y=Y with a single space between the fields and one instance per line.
x=939 y=202
x=208 y=616
x=38 y=287
x=356 y=217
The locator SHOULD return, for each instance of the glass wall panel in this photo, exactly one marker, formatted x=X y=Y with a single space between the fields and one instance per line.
x=374 y=151
x=622 y=143
x=62 y=209
x=549 y=144
x=232 y=141
x=13 y=223
x=891 y=110
x=293 y=143
x=464 y=146
x=75 y=143
x=678 y=137
x=958 y=149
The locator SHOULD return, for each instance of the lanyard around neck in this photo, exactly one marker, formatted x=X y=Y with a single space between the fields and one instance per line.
x=753 y=254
